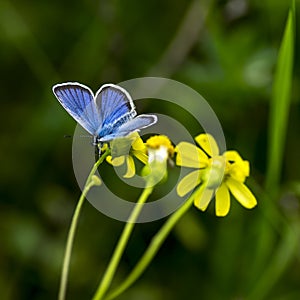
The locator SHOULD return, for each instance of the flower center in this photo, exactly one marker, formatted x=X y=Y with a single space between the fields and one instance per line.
x=215 y=173
x=159 y=155
x=160 y=141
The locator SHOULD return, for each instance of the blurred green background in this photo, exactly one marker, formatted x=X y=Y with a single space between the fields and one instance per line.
x=226 y=50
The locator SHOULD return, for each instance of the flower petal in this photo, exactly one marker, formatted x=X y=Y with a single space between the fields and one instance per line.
x=208 y=144
x=130 y=167
x=116 y=161
x=143 y=157
x=202 y=200
x=109 y=159
x=235 y=159
x=138 y=144
x=222 y=201
x=189 y=155
x=245 y=166
x=121 y=146
x=233 y=156
x=241 y=193
x=188 y=183
x=238 y=172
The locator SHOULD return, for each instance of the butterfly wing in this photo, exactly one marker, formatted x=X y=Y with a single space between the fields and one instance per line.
x=78 y=100
x=115 y=107
x=141 y=121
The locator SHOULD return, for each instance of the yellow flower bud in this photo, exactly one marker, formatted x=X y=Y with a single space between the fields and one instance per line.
x=96 y=180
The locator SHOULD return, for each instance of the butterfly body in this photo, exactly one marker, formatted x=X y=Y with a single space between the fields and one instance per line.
x=107 y=115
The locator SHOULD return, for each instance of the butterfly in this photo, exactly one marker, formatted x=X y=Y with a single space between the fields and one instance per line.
x=107 y=115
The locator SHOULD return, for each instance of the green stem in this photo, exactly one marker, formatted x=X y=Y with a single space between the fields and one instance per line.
x=154 y=246
x=115 y=259
x=70 y=240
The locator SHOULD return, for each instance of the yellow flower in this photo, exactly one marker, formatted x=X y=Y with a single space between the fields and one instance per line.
x=222 y=174
x=137 y=149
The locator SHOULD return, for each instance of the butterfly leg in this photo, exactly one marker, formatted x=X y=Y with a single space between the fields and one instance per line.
x=98 y=148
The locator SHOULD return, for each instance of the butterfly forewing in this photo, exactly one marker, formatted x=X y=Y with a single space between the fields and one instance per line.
x=78 y=101
x=114 y=104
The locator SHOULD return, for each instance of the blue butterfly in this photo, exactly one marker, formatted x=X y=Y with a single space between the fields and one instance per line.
x=107 y=115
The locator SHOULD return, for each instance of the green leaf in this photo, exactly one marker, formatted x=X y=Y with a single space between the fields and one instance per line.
x=280 y=103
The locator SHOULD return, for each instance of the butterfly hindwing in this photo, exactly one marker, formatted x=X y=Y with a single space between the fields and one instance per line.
x=78 y=101
x=140 y=122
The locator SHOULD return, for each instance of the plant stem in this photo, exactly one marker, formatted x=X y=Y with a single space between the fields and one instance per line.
x=154 y=246
x=71 y=234
x=119 y=250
